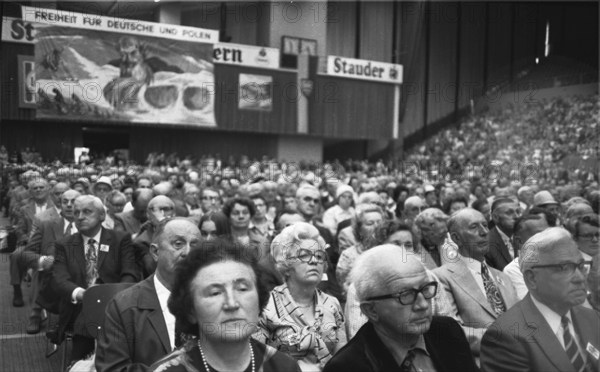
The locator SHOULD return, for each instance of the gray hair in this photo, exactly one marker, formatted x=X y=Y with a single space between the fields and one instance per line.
x=373 y=267
x=95 y=201
x=429 y=215
x=543 y=242
x=361 y=210
x=285 y=245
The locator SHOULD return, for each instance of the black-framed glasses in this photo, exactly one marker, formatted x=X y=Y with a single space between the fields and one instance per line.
x=163 y=209
x=591 y=236
x=409 y=296
x=568 y=268
x=305 y=255
x=308 y=199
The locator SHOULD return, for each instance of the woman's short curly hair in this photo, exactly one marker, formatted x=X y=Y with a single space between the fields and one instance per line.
x=181 y=302
x=241 y=201
x=286 y=244
x=361 y=211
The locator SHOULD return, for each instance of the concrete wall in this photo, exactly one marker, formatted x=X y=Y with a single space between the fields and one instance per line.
x=299 y=148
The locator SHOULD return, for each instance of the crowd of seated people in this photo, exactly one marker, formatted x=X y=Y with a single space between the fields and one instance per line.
x=351 y=267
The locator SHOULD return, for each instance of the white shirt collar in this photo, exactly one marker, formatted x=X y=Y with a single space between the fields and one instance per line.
x=586 y=257
x=471 y=263
x=96 y=238
x=163 y=294
x=553 y=319
x=66 y=224
x=162 y=291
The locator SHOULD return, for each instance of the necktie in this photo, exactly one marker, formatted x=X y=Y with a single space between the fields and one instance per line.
x=571 y=347
x=407 y=364
x=69 y=229
x=491 y=291
x=90 y=263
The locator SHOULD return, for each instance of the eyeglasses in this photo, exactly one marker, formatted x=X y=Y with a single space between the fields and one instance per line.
x=209 y=198
x=162 y=209
x=409 y=296
x=590 y=236
x=308 y=199
x=305 y=255
x=568 y=268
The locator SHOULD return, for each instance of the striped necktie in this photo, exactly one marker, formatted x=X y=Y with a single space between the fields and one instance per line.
x=571 y=348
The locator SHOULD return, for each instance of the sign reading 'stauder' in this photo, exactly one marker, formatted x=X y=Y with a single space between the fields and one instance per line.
x=364 y=69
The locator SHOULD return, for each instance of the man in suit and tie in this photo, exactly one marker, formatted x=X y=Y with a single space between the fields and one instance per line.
x=49 y=227
x=94 y=255
x=548 y=330
x=138 y=328
x=478 y=294
x=401 y=334
x=38 y=202
x=505 y=212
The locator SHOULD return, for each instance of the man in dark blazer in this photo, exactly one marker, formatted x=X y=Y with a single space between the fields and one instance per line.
x=92 y=256
x=505 y=212
x=138 y=328
x=49 y=227
x=131 y=221
x=401 y=335
x=548 y=330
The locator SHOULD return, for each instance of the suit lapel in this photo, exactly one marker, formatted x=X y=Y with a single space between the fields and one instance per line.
x=542 y=333
x=587 y=332
x=148 y=299
x=504 y=248
x=501 y=287
x=79 y=251
x=58 y=226
x=464 y=278
x=105 y=239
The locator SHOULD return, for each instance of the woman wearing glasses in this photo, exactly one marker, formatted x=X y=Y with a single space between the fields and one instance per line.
x=300 y=319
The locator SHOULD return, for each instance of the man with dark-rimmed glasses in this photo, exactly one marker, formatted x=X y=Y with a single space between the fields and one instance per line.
x=548 y=330
x=401 y=334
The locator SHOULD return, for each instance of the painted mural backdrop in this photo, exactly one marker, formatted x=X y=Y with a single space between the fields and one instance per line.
x=110 y=75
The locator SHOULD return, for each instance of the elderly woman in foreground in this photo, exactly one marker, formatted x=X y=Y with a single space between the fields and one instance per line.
x=300 y=319
x=217 y=298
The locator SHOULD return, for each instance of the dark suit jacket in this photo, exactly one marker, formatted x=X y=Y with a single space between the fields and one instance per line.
x=498 y=255
x=522 y=340
x=445 y=341
x=135 y=334
x=116 y=265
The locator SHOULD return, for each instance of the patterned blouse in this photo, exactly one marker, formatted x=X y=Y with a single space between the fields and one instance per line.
x=284 y=326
